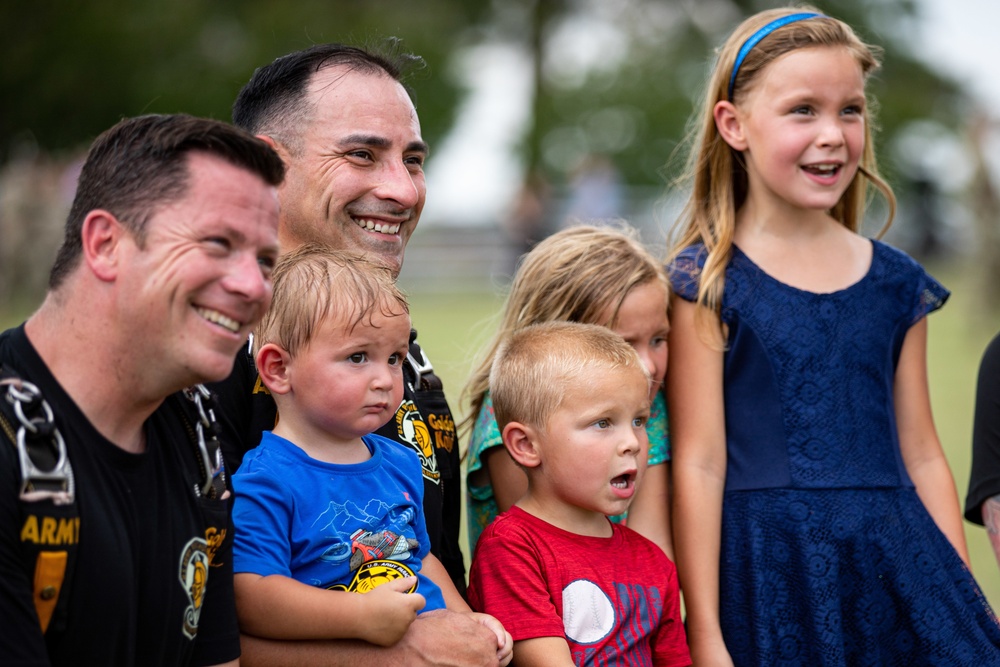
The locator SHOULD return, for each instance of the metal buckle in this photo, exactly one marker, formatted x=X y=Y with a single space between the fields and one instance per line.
x=56 y=484
x=419 y=366
x=211 y=461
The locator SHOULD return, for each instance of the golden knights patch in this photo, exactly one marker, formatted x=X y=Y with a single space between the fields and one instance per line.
x=413 y=430
x=194 y=564
x=374 y=573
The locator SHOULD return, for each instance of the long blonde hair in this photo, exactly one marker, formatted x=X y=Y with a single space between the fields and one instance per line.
x=576 y=275
x=715 y=172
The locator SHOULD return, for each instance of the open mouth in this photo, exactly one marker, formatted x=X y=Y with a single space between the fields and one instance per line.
x=623 y=481
x=377 y=226
x=822 y=170
x=215 y=317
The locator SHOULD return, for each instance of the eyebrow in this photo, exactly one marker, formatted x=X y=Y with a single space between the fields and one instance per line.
x=376 y=141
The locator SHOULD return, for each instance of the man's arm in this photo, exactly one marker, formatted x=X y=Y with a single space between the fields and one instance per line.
x=991 y=519
x=436 y=572
x=436 y=639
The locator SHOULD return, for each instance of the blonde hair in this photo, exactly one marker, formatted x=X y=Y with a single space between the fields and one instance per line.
x=536 y=365
x=716 y=173
x=576 y=275
x=314 y=282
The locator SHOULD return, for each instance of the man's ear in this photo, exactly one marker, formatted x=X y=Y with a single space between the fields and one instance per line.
x=729 y=123
x=275 y=145
x=100 y=241
x=273 y=366
x=520 y=441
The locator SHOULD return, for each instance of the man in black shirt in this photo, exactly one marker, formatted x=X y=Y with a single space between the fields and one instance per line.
x=982 y=504
x=115 y=543
x=350 y=137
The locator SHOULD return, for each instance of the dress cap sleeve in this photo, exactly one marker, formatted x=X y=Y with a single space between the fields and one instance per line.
x=685 y=270
x=931 y=295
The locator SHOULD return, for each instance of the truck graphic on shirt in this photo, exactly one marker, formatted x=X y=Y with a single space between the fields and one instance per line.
x=367 y=546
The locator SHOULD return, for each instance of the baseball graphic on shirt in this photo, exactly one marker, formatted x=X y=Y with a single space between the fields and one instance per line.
x=588 y=615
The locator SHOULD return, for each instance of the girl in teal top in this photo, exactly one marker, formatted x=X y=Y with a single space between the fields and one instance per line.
x=594 y=275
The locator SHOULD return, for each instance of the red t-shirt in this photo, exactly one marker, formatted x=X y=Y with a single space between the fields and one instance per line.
x=615 y=600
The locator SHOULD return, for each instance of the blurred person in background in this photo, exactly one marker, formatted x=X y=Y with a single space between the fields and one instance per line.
x=982 y=504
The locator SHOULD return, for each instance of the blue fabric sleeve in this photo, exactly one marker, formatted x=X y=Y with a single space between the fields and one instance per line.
x=262 y=518
x=931 y=295
x=685 y=271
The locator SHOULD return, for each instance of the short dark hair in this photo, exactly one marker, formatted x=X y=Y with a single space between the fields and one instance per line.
x=141 y=164
x=273 y=102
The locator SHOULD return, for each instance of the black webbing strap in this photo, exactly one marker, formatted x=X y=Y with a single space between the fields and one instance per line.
x=50 y=520
x=208 y=450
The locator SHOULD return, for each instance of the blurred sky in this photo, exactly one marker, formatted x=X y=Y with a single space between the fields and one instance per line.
x=476 y=162
x=960 y=37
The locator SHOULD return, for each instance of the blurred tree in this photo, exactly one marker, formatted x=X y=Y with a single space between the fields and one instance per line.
x=74 y=68
x=620 y=77
x=614 y=77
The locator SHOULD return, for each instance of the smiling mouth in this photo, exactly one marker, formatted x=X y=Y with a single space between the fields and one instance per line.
x=215 y=317
x=374 y=226
x=825 y=170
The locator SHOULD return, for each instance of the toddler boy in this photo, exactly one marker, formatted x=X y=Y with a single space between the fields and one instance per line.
x=324 y=508
x=571 y=587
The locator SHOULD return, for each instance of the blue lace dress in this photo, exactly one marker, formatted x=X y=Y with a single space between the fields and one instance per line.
x=828 y=555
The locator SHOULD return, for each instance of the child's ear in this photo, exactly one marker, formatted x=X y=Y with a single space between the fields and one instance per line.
x=729 y=123
x=520 y=439
x=272 y=365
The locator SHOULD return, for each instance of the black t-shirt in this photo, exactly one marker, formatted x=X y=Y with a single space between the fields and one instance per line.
x=985 y=479
x=138 y=594
x=423 y=423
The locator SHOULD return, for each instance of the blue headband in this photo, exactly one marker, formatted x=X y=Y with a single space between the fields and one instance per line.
x=761 y=34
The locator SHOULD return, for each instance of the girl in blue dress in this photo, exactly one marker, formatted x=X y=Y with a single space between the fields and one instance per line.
x=816 y=520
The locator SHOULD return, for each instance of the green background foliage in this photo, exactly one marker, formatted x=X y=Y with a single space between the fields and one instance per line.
x=74 y=68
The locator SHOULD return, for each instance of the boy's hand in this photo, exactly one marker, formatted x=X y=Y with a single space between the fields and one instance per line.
x=390 y=610
x=505 y=645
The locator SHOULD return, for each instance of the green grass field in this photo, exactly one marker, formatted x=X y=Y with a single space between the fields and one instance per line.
x=454 y=326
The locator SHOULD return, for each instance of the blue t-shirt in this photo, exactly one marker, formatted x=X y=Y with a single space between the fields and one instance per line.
x=347 y=527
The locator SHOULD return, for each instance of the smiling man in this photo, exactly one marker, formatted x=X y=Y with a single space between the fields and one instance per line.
x=355 y=166
x=115 y=545
x=350 y=138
